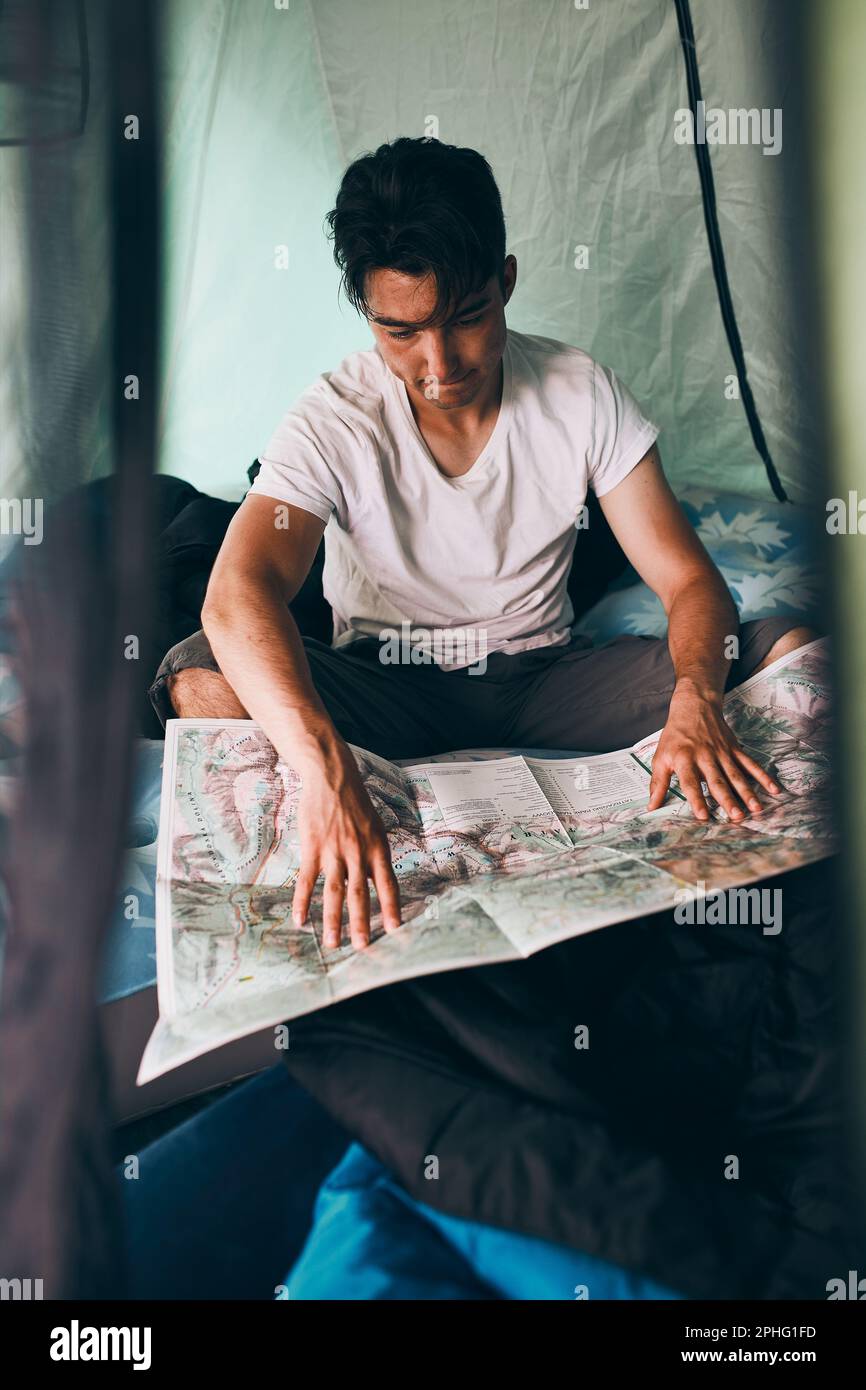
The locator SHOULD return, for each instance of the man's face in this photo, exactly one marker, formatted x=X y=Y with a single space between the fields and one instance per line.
x=446 y=365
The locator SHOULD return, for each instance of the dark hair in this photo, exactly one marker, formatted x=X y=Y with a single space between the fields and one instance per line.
x=420 y=207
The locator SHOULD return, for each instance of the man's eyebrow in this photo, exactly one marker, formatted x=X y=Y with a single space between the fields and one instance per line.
x=472 y=308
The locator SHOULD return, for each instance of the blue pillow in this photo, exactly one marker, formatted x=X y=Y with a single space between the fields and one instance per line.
x=371 y=1240
x=764 y=549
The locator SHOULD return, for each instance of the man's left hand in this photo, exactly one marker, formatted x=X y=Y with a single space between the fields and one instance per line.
x=698 y=746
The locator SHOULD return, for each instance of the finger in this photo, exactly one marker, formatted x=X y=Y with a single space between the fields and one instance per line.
x=358 y=899
x=332 y=915
x=387 y=888
x=744 y=788
x=691 y=789
x=721 y=789
x=756 y=771
x=659 y=784
x=304 y=885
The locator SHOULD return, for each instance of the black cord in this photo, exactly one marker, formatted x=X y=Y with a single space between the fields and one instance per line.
x=717 y=255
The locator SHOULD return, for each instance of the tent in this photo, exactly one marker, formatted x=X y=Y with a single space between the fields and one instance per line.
x=606 y=199
x=168 y=290
x=574 y=109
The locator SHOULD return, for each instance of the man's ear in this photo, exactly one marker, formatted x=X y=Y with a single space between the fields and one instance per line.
x=509 y=274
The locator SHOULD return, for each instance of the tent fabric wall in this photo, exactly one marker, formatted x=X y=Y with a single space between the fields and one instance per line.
x=250 y=166
x=745 y=54
x=69 y=433
x=575 y=109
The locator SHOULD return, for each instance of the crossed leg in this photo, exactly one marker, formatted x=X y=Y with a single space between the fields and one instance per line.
x=396 y=712
x=199 y=694
x=788 y=642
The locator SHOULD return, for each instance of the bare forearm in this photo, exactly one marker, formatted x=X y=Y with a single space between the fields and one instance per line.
x=701 y=622
x=258 y=647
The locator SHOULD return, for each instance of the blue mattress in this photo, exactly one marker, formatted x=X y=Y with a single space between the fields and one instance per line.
x=130 y=959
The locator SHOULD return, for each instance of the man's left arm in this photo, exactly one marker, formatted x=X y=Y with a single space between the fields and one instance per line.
x=696 y=744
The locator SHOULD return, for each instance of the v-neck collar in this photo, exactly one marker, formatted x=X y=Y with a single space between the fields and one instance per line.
x=500 y=429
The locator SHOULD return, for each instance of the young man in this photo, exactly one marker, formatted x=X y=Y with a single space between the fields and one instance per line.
x=452 y=461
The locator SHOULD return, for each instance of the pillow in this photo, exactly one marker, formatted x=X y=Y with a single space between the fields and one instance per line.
x=764 y=549
x=371 y=1240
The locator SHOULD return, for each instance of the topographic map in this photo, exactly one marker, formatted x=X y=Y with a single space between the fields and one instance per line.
x=496 y=857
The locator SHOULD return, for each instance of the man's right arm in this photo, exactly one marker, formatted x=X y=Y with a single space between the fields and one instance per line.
x=258 y=571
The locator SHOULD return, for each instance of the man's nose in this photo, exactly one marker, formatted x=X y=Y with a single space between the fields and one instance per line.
x=441 y=360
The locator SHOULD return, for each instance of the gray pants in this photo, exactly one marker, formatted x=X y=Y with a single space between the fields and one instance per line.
x=576 y=696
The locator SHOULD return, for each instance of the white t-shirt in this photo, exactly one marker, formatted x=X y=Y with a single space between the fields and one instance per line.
x=480 y=563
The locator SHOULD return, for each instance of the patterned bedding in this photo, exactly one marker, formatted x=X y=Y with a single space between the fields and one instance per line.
x=764 y=550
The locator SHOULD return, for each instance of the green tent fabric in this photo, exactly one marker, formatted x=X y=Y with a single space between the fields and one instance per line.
x=576 y=110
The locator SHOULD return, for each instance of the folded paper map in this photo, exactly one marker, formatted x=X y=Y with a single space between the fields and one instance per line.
x=496 y=859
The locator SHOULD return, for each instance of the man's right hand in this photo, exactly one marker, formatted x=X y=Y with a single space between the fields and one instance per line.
x=343 y=838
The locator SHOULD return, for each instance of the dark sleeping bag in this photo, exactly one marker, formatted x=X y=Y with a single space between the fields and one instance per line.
x=695 y=1140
